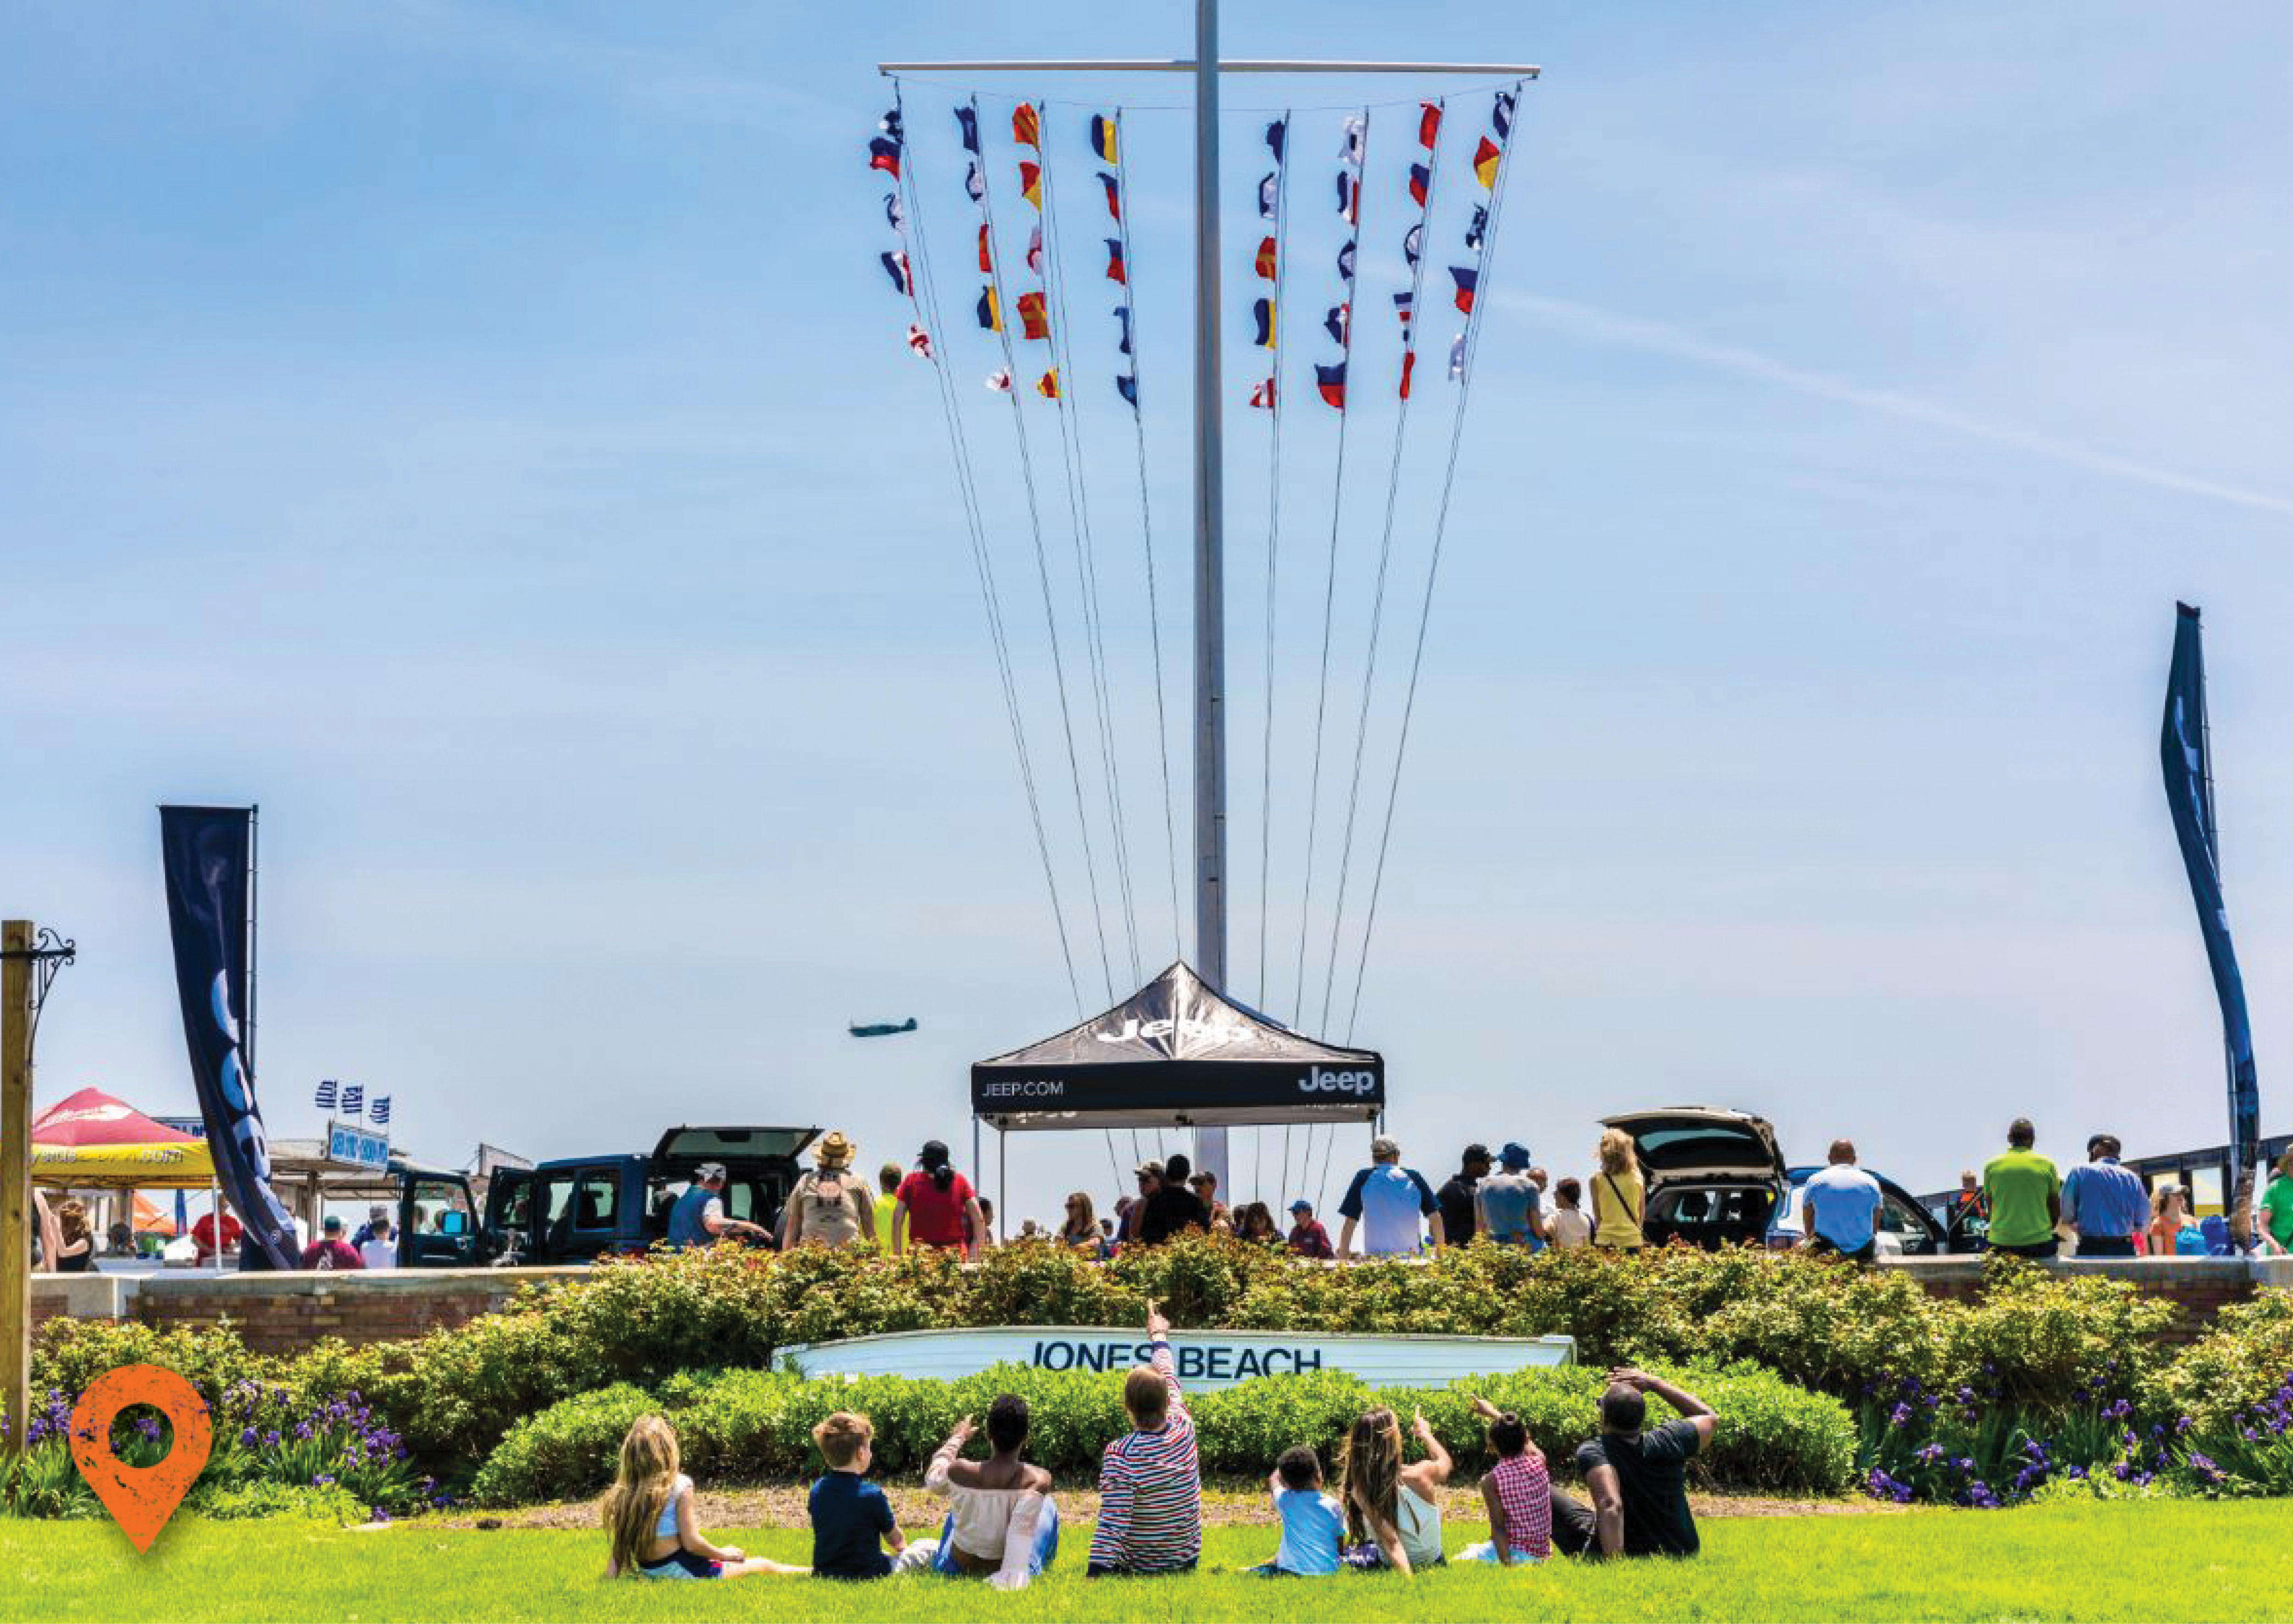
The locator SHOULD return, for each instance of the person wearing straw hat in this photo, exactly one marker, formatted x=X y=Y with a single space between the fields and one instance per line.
x=830 y=1206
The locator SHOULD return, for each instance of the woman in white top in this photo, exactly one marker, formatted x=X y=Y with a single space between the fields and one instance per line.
x=1393 y=1511
x=1003 y=1522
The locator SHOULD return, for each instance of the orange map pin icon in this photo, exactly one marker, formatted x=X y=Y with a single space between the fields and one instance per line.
x=141 y=1499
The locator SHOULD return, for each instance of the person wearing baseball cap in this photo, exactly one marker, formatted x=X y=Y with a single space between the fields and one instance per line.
x=1386 y=1199
x=1509 y=1204
x=1459 y=1218
x=698 y=1218
x=937 y=1205
x=1307 y=1238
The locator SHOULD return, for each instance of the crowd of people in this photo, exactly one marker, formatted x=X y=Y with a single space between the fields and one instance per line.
x=1002 y=1521
x=2020 y=1202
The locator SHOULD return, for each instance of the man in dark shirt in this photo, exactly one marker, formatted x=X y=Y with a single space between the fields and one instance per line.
x=1638 y=1475
x=1170 y=1207
x=1459 y=1219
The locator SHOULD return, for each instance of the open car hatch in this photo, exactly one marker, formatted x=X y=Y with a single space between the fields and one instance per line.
x=680 y=1148
x=1702 y=1142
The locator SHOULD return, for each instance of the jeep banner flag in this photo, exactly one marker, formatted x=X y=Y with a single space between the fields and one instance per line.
x=2185 y=753
x=1177 y=1054
x=207 y=852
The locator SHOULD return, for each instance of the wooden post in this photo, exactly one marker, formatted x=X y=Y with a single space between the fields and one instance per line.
x=16 y=1179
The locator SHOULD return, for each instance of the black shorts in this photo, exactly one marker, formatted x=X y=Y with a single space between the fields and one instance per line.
x=682 y=1564
x=1822 y=1247
x=2049 y=1247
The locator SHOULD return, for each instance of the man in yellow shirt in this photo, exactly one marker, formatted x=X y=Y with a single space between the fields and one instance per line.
x=887 y=1205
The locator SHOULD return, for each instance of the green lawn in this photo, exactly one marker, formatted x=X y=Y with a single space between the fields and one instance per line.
x=2138 y=1561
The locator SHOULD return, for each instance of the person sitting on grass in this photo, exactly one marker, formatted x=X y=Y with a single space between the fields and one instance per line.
x=649 y=1516
x=1393 y=1511
x=1638 y=1478
x=1313 y=1524
x=1518 y=1491
x=1150 y=1482
x=1004 y=1523
x=850 y=1515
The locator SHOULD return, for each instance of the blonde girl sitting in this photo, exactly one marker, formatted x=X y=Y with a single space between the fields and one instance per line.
x=649 y=1516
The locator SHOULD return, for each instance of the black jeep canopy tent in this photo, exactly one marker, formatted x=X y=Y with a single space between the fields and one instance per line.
x=1176 y=1054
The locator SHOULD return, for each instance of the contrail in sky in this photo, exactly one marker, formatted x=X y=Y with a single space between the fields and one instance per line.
x=1658 y=338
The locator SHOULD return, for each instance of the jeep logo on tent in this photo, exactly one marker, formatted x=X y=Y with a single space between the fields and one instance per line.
x=1319 y=1081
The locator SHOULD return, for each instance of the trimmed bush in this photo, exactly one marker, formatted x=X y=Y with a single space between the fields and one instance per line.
x=754 y=1426
x=569 y=1449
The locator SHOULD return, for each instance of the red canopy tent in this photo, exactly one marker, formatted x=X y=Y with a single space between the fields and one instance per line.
x=91 y=1140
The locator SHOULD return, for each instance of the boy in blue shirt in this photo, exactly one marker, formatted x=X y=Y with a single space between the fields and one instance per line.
x=1313 y=1524
x=850 y=1515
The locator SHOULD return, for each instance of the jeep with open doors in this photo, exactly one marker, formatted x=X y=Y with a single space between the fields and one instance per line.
x=577 y=1208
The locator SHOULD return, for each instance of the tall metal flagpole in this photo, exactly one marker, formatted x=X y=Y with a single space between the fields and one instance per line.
x=1209 y=487
x=1210 y=557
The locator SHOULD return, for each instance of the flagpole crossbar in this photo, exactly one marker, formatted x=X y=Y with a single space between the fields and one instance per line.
x=1156 y=64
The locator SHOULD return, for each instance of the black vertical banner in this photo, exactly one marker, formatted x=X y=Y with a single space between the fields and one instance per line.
x=2186 y=755
x=206 y=853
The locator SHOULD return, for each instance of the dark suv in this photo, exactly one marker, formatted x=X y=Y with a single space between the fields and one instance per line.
x=579 y=1208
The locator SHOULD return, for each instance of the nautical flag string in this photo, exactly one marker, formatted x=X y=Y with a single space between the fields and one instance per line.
x=1467 y=278
x=1026 y=128
x=1267 y=265
x=1460 y=363
x=1423 y=179
x=884 y=153
x=324 y=1098
x=1106 y=141
x=968 y=489
x=1421 y=193
x=1353 y=152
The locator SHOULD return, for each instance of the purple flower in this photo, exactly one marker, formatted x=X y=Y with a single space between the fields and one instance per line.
x=1901 y=1416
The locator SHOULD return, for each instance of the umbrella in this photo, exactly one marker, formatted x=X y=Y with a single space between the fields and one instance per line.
x=90 y=1141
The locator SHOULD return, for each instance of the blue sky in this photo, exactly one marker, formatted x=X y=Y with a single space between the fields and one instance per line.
x=482 y=434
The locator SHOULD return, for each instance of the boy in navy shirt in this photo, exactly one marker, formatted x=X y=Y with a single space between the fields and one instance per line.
x=851 y=1520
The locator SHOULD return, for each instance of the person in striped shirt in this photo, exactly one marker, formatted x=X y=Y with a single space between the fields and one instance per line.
x=1150 y=1483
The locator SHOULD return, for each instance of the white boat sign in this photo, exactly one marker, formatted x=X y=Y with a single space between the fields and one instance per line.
x=1206 y=1359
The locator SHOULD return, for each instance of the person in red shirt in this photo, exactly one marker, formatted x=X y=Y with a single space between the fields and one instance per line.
x=936 y=1206
x=1307 y=1238
x=203 y=1236
x=330 y=1250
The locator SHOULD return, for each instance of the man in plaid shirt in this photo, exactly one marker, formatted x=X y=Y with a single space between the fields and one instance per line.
x=1150 y=1484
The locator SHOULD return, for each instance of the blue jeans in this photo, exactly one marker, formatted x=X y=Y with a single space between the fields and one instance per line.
x=1046 y=1551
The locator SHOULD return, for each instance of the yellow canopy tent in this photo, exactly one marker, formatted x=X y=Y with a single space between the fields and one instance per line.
x=92 y=1141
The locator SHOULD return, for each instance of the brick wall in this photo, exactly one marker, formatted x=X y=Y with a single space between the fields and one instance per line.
x=282 y=1313
x=2198 y=1288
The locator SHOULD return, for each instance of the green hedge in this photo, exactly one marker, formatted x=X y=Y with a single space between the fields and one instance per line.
x=2042 y=1347
x=754 y=1426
